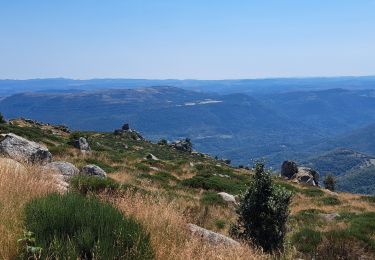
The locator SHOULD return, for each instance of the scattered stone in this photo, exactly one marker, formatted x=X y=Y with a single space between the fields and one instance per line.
x=154 y=168
x=191 y=164
x=150 y=156
x=126 y=129
x=227 y=197
x=288 y=169
x=329 y=216
x=82 y=144
x=93 y=170
x=211 y=237
x=23 y=150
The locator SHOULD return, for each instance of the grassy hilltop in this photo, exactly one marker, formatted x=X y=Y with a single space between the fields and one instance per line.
x=177 y=188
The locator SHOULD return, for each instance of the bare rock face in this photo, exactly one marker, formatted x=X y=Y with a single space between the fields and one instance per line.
x=23 y=150
x=82 y=144
x=289 y=169
x=211 y=237
x=227 y=197
x=93 y=170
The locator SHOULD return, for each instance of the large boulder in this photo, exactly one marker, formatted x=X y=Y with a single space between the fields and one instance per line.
x=65 y=169
x=23 y=150
x=211 y=237
x=308 y=176
x=82 y=144
x=289 y=169
x=93 y=170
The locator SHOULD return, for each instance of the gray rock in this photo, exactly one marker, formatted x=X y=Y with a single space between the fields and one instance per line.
x=183 y=145
x=94 y=170
x=65 y=169
x=211 y=237
x=150 y=156
x=308 y=176
x=23 y=150
x=289 y=169
x=227 y=197
x=82 y=144
x=329 y=216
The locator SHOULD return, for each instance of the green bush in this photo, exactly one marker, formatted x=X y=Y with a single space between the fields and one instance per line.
x=308 y=217
x=212 y=198
x=75 y=227
x=330 y=201
x=163 y=177
x=330 y=182
x=85 y=184
x=263 y=212
x=307 y=240
x=143 y=167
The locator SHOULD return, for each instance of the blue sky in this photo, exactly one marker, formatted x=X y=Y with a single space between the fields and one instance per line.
x=202 y=39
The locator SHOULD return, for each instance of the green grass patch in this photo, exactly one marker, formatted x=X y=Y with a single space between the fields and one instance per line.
x=75 y=227
x=87 y=184
x=212 y=198
x=312 y=192
x=307 y=240
x=330 y=201
x=220 y=223
x=159 y=176
x=142 y=167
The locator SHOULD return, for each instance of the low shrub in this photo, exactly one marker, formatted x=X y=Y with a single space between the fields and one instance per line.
x=75 y=227
x=159 y=176
x=368 y=198
x=86 y=184
x=217 y=183
x=143 y=167
x=309 y=217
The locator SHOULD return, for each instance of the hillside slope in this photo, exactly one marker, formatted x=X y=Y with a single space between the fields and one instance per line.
x=175 y=188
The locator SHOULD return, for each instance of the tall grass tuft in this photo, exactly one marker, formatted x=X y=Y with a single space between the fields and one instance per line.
x=71 y=226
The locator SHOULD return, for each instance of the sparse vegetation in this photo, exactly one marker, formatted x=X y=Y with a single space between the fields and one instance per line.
x=92 y=184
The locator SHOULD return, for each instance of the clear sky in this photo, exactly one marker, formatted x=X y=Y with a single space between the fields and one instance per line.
x=202 y=39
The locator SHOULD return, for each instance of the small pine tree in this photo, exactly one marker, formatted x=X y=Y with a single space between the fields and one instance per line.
x=2 y=120
x=330 y=182
x=263 y=212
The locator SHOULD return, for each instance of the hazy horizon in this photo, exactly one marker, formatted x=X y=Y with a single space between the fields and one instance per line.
x=186 y=39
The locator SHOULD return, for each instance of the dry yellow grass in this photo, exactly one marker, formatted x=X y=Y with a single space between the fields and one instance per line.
x=166 y=221
x=18 y=185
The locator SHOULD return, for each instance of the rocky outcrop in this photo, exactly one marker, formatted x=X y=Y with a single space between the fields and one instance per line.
x=23 y=150
x=126 y=129
x=291 y=171
x=227 y=197
x=93 y=170
x=211 y=237
x=183 y=145
x=82 y=144
x=308 y=176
